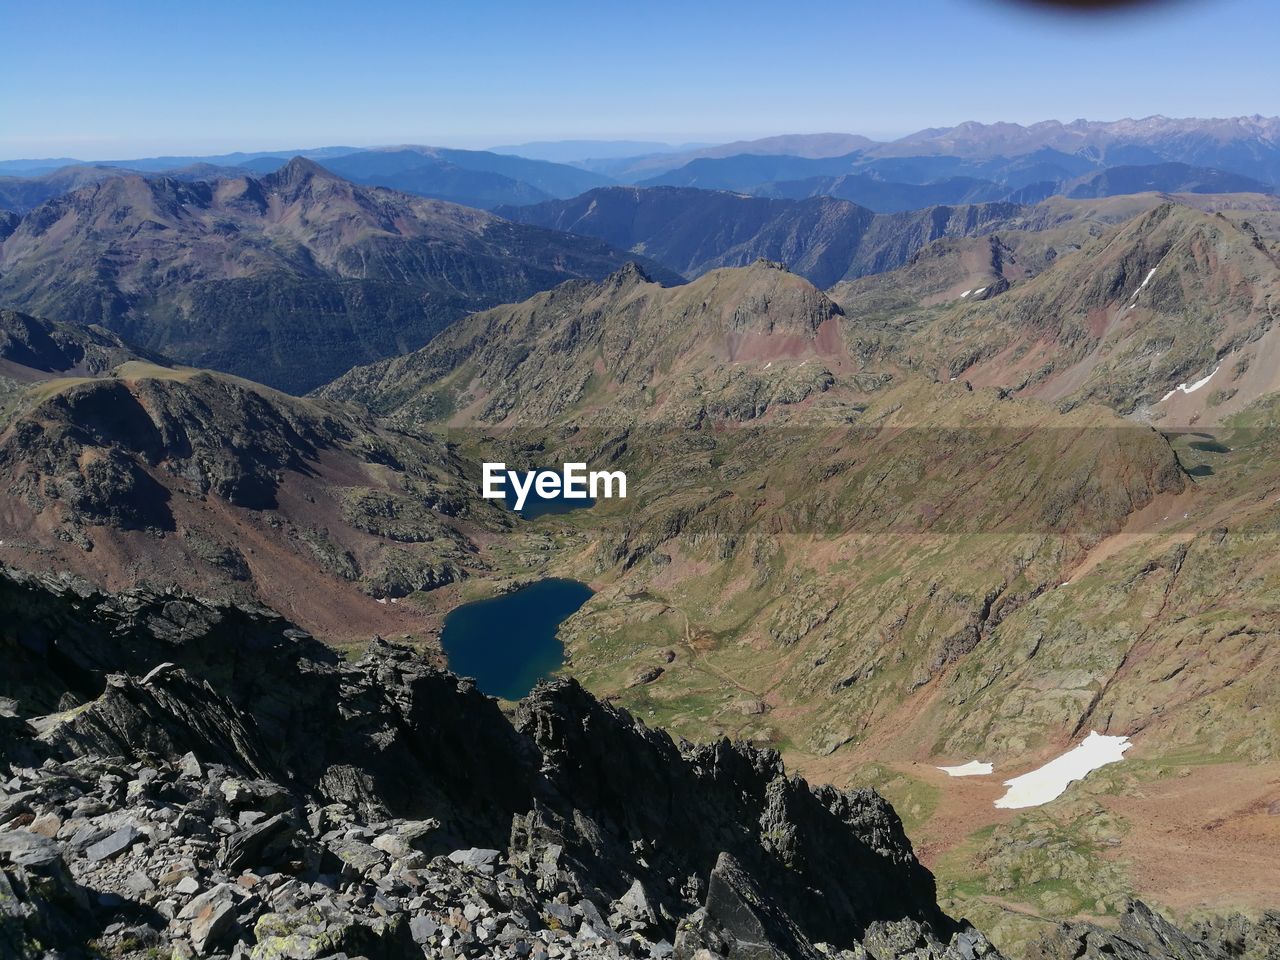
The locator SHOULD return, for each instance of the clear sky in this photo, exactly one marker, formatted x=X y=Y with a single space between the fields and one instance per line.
x=133 y=78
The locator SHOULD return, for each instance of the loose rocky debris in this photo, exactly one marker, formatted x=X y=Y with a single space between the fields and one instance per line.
x=182 y=779
x=186 y=858
x=183 y=859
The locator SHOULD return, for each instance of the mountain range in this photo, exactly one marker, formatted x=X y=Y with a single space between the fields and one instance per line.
x=475 y=178
x=289 y=279
x=915 y=488
x=1249 y=146
x=1229 y=155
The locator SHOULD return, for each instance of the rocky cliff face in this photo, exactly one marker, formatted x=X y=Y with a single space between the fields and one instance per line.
x=206 y=779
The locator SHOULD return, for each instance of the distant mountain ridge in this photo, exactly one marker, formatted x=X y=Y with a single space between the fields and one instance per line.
x=474 y=178
x=288 y=279
x=1249 y=146
x=692 y=231
x=489 y=179
x=1030 y=162
x=1199 y=138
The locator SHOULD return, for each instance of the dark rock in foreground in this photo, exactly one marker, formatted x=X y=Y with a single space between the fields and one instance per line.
x=214 y=781
x=193 y=779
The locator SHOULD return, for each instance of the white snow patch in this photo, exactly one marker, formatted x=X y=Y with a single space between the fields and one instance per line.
x=974 y=768
x=1048 y=782
x=1147 y=279
x=979 y=291
x=1191 y=387
x=768 y=365
x=965 y=294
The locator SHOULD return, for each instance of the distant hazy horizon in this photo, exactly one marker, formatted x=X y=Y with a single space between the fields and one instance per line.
x=149 y=79
x=673 y=144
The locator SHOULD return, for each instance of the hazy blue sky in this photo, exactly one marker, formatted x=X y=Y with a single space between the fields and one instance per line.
x=101 y=81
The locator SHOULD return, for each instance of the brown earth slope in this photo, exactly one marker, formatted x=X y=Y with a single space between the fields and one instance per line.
x=127 y=471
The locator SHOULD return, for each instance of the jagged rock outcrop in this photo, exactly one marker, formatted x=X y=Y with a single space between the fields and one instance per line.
x=216 y=781
x=1143 y=934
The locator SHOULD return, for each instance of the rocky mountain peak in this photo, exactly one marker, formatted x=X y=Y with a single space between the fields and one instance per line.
x=764 y=298
x=630 y=274
x=297 y=172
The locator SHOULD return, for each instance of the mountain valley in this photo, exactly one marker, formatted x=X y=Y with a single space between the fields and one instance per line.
x=943 y=453
x=1070 y=565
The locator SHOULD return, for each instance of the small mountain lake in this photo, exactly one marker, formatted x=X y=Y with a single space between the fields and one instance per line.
x=508 y=643
x=536 y=506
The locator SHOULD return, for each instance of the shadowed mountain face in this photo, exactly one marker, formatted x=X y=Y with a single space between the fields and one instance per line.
x=1164 y=177
x=289 y=279
x=34 y=349
x=886 y=196
x=1000 y=174
x=692 y=231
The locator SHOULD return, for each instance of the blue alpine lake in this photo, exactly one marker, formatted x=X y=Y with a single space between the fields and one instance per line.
x=508 y=643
